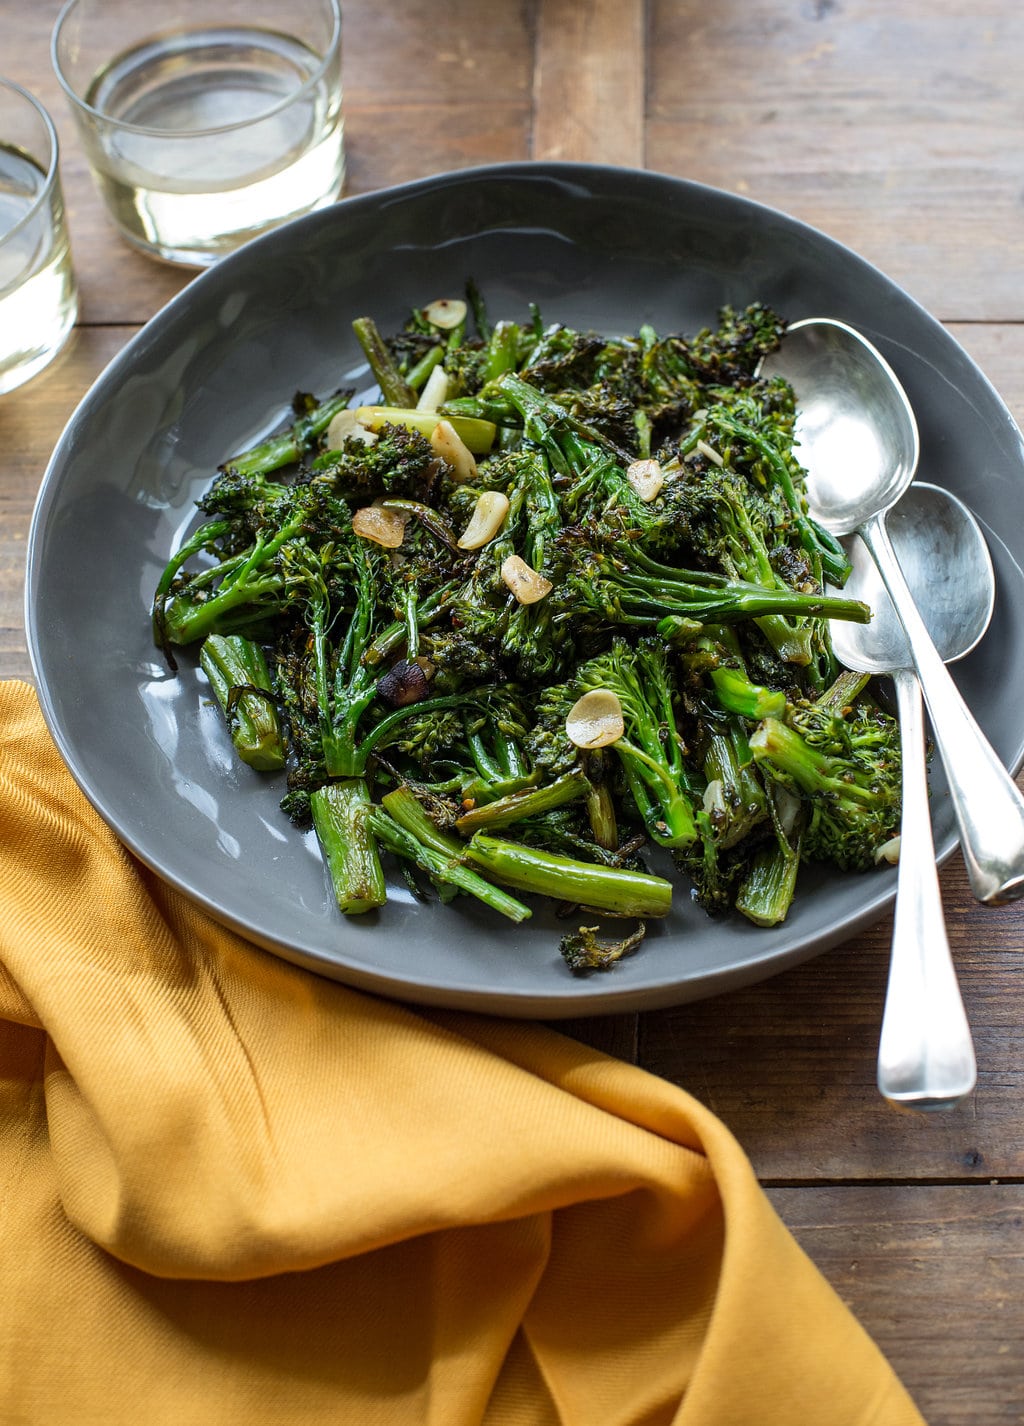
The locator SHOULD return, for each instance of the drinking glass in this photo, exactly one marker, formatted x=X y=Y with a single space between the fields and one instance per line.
x=205 y=122
x=38 y=299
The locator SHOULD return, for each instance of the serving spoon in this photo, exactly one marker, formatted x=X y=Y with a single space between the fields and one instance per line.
x=859 y=443
x=925 y=1054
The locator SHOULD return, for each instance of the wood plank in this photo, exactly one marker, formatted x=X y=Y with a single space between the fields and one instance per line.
x=789 y=1065
x=413 y=52
x=936 y=1276
x=611 y=1034
x=380 y=149
x=589 y=84
x=31 y=420
x=895 y=128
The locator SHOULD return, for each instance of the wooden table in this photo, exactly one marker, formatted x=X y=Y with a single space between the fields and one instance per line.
x=898 y=130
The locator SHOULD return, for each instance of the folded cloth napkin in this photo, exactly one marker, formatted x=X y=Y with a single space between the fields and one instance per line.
x=238 y=1192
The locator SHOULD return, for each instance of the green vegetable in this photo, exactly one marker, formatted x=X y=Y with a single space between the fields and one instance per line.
x=416 y=691
x=240 y=680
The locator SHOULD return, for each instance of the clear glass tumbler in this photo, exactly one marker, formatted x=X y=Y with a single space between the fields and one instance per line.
x=205 y=122
x=38 y=298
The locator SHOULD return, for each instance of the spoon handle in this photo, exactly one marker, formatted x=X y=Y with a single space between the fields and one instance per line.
x=925 y=1053
x=988 y=807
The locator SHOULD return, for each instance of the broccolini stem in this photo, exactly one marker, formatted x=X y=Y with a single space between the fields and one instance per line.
x=428 y=611
x=766 y=893
x=405 y=808
x=614 y=890
x=478 y=307
x=394 y=388
x=817 y=542
x=846 y=689
x=530 y=802
x=342 y=817
x=186 y=622
x=785 y=749
x=631 y=596
x=417 y=375
x=600 y=802
x=502 y=351
x=287 y=447
x=512 y=761
x=737 y=694
x=729 y=764
x=240 y=680
x=196 y=542
x=664 y=807
x=486 y=766
x=443 y=866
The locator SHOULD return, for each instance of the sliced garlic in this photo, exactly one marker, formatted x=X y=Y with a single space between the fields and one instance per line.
x=714 y=797
x=646 y=477
x=446 y=442
x=888 y=852
x=595 y=720
x=526 y=584
x=435 y=390
x=486 y=520
x=709 y=453
x=344 y=427
x=383 y=527
x=446 y=312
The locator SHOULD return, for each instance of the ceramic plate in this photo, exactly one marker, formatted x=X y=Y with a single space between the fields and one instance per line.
x=597 y=247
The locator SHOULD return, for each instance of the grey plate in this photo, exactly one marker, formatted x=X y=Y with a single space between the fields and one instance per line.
x=606 y=248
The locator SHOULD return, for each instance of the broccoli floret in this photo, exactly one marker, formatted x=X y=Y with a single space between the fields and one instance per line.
x=584 y=951
x=650 y=749
x=400 y=462
x=841 y=755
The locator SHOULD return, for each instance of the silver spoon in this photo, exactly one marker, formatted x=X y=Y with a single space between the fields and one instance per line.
x=859 y=443
x=925 y=1054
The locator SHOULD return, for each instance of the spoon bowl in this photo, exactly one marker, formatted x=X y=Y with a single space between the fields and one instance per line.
x=945 y=559
x=854 y=416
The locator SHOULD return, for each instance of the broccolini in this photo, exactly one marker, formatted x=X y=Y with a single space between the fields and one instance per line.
x=411 y=600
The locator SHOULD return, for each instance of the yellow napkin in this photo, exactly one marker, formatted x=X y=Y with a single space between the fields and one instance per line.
x=236 y=1192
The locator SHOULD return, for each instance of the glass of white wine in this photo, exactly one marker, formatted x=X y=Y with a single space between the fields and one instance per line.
x=38 y=298
x=205 y=122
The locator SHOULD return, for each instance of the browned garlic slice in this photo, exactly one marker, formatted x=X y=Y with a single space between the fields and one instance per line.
x=525 y=583
x=595 y=720
x=486 y=520
x=889 y=852
x=446 y=442
x=383 y=527
x=344 y=427
x=646 y=477
x=446 y=312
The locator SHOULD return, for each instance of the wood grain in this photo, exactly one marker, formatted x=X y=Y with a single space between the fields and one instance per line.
x=789 y=1065
x=936 y=1275
x=589 y=82
x=895 y=128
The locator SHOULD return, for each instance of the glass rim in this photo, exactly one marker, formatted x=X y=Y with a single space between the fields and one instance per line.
x=177 y=135
x=49 y=181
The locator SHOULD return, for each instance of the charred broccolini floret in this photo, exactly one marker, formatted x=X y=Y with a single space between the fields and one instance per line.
x=415 y=664
x=840 y=755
